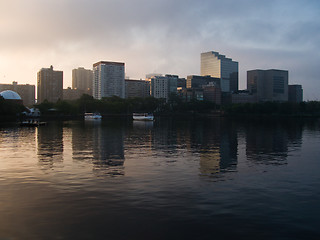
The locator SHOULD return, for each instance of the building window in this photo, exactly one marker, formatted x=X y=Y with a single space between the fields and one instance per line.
x=278 y=84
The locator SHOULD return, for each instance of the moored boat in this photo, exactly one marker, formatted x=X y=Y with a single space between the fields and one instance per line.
x=32 y=123
x=92 y=116
x=143 y=116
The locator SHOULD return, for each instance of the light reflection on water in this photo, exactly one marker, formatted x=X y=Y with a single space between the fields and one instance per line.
x=163 y=180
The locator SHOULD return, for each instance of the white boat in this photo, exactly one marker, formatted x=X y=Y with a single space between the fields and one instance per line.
x=143 y=116
x=92 y=116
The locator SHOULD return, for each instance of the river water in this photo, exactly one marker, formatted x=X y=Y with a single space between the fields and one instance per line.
x=171 y=179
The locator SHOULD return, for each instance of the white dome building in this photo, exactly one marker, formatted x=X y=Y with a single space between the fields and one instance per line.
x=11 y=96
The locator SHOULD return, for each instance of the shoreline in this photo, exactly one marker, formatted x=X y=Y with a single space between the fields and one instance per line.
x=14 y=119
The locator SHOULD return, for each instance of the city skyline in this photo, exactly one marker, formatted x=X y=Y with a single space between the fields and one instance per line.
x=258 y=35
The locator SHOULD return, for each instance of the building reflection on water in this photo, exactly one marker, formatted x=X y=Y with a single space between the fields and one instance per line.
x=215 y=143
x=108 y=147
x=270 y=142
x=98 y=144
x=164 y=138
x=50 y=144
x=103 y=144
x=140 y=134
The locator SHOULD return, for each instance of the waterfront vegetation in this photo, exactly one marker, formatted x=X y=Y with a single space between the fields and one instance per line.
x=111 y=105
x=175 y=106
x=118 y=106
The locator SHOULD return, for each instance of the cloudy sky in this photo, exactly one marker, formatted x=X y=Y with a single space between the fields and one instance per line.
x=160 y=36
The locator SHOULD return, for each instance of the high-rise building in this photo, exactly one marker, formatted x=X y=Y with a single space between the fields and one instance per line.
x=163 y=86
x=295 y=93
x=215 y=65
x=212 y=93
x=268 y=85
x=50 y=84
x=137 y=88
x=108 y=79
x=182 y=83
x=206 y=86
x=26 y=92
x=194 y=81
x=82 y=80
x=72 y=94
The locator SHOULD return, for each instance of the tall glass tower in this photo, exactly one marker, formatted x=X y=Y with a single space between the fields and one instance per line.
x=215 y=65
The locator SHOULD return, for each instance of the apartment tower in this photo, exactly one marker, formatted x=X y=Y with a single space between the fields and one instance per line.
x=137 y=88
x=49 y=85
x=82 y=80
x=163 y=86
x=108 y=79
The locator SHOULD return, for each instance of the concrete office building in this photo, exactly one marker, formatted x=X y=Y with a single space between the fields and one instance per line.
x=218 y=66
x=208 y=86
x=137 y=88
x=181 y=83
x=82 y=80
x=295 y=93
x=26 y=91
x=212 y=93
x=108 y=79
x=73 y=94
x=188 y=94
x=194 y=81
x=268 y=85
x=163 y=86
x=50 y=85
x=242 y=96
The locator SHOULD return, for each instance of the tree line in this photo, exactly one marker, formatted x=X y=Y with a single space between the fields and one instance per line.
x=175 y=105
x=117 y=105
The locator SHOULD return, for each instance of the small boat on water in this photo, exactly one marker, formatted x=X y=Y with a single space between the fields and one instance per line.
x=32 y=123
x=92 y=116
x=143 y=116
